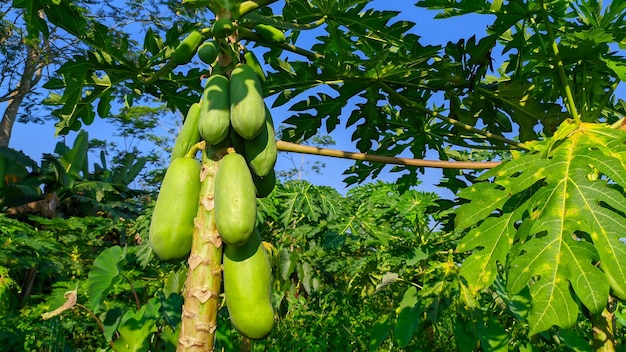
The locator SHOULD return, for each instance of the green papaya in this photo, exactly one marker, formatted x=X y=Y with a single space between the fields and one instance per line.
x=172 y=223
x=235 y=200
x=208 y=51
x=222 y=28
x=247 y=108
x=261 y=151
x=248 y=288
x=187 y=48
x=251 y=60
x=270 y=33
x=189 y=134
x=264 y=185
x=215 y=110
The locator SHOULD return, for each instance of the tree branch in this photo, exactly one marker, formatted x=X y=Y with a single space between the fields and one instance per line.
x=15 y=100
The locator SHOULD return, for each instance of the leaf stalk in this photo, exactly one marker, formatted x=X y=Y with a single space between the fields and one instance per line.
x=443 y=164
x=408 y=102
x=565 y=83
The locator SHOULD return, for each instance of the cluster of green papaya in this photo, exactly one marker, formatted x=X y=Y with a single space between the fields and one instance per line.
x=231 y=118
x=233 y=114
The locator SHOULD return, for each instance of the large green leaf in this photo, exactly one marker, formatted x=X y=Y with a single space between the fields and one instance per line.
x=380 y=331
x=74 y=159
x=408 y=317
x=104 y=274
x=136 y=327
x=564 y=216
x=480 y=269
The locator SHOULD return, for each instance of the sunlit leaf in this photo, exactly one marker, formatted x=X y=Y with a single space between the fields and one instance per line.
x=136 y=327
x=407 y=320
x=104 y=274
x=562 y=229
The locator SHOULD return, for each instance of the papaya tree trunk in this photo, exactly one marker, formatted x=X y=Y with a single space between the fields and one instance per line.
x=202 y=288
x=603 y=330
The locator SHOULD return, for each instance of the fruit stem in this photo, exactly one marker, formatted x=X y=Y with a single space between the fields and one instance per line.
x=167 y=68
x=560 y=67
x=247 y=34
x=202 y=288
x=257 y=17
x=195 y=148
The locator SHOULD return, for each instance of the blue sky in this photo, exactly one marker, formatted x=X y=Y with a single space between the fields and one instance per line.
x=35 y=140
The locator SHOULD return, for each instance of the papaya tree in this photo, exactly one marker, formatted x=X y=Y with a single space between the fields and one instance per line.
x=533 y=98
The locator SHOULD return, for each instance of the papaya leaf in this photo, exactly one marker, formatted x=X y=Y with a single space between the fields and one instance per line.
x=104 y=274
x=416 y=257
x=144 y=254
x=175 y=282
x=495 y=236
x=566 y=216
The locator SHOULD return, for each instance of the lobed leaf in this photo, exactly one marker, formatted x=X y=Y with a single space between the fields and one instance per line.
x=565 y=215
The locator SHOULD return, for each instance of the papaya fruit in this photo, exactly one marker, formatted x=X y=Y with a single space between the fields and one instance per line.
x=189 y=134
x=172 y=222
x=251 y=60
x=247 y=108
x=261 y=151
x=208 y=51
x=248 y=288
x=270 y=33
x=222 y=28
x=235 y=200
x=187 y=48
x=215 y=110
x=264 y=185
